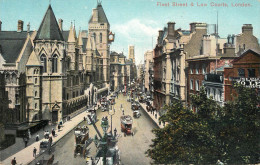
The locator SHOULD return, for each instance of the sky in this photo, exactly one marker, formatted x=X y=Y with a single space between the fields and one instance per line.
x=135 y=22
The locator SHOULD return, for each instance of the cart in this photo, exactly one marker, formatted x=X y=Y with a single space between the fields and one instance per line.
x=126 y=125
x=93 y=116
x=82 y=141
x=136 y=114
x=44 y=146
x=134 y=106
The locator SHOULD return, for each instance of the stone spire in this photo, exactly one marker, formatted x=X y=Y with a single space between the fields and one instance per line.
x=72 y=37
x=49 y=28
x=80 y=42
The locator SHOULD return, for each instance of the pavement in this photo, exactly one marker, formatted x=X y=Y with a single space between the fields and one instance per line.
x=25 y=155
x=22 y=156
x=152 y=115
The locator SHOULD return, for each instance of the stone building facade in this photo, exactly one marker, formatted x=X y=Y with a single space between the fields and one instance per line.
x=148 y=64
x=118 y=71
x=50 y=73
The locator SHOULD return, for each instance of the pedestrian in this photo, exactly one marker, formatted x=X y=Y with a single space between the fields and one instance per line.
x=156 y=116
x=59 y=128
x=37 y=137
x=47 y=134
x=13 y=162
x=123 y=112
x=25 y=141
x=53 y=132
x=29 y=134
x=50 y=140
x=34 y=152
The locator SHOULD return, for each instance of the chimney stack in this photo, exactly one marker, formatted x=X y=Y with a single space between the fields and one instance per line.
x=160 y=36
x=247 y=28
x=95 y=15
x=28 y=27
x=192 y=26
x=61 y=24
x=171 y=28
x=20 y=26
x=0 y=25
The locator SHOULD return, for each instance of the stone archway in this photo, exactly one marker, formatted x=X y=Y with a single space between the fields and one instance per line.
x=55 y=114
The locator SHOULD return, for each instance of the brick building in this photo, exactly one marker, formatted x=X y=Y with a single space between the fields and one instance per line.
x=245 y=71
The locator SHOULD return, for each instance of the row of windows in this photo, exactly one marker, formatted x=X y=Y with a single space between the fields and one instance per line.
x=197 y=70
x=100 y=37
x=197 y=85
x=251 y=72
x=54 y=60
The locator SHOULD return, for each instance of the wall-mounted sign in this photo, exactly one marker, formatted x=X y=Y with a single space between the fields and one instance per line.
x=252 y=82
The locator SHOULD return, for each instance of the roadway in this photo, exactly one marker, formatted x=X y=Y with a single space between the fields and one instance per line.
x=132 y=148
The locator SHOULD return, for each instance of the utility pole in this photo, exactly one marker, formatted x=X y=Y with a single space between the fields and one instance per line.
x=216 y=45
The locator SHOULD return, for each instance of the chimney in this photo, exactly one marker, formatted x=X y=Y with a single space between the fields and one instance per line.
x=192 y=26
x=20 y=26
x=247 y=28
x=95 y=15
x=28 y=27
x=0 y=25
x=171 y=28
x=60 y=24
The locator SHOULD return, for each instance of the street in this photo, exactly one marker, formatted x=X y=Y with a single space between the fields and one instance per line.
x=132 y=148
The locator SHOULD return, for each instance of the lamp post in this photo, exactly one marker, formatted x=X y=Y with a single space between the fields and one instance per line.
x=111 y=112
x=104 y=126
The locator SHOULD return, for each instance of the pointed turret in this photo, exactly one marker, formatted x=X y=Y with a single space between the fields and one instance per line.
x=98 y=15
x=80 y=42
x=71 y=37
x=49 y=28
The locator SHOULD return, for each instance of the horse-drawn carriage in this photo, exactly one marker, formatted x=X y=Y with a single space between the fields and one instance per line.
x=82 y=141
x=92 y=113
x=126 y=125
x=136 y=114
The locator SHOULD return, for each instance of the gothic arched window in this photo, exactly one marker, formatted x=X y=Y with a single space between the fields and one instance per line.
x=55 y=64
x=94 y=35
x=68 y=63
x=44 y=63
x=100 y=37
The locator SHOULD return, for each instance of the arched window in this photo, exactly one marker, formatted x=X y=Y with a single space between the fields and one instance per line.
x=44 y=63
x=68 y=63
x=55 y=63
x=94 y=36
x=100 y=37
x=35 y=94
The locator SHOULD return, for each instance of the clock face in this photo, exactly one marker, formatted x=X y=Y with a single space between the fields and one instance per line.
x=111 y=37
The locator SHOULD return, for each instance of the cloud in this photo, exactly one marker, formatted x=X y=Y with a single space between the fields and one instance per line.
x=136 y=30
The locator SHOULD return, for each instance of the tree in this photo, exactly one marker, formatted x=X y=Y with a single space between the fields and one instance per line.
x=230 y=133
x=240 y=133
x=187 y=137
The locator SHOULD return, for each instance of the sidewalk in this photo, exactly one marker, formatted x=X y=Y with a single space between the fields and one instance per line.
x=25 y=155
x=151 y=115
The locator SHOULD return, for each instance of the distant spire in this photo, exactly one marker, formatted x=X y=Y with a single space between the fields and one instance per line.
x=49 y=2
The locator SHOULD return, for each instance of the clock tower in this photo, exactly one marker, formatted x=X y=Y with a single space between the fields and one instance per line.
x=99 y=28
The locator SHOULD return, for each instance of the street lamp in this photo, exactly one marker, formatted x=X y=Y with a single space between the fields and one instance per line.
x=111 y=112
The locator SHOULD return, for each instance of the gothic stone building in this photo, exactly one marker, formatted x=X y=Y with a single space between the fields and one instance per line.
x=50 y=73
